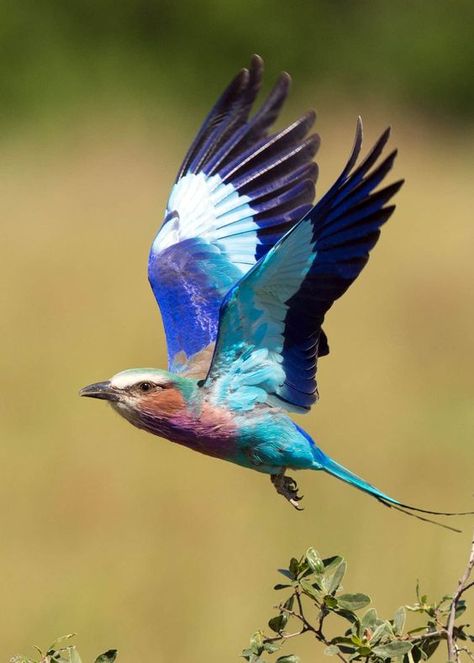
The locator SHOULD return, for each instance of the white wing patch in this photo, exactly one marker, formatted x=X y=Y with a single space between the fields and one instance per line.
x=208 y=208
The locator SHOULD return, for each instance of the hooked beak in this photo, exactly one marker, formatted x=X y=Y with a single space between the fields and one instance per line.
x=102 y=390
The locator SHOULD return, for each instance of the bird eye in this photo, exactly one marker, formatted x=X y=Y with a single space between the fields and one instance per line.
x=145 y=386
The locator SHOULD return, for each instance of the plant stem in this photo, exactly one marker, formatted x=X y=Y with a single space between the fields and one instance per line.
x=463 y=585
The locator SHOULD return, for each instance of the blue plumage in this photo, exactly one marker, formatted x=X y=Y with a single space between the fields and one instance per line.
x=244 y=269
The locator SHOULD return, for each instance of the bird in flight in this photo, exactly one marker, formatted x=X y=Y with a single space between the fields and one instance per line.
x=244 y=270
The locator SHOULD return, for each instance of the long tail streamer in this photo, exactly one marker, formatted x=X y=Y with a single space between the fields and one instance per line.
x=330 y=466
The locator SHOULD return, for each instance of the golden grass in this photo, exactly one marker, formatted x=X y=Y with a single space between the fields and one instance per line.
x=167 y=555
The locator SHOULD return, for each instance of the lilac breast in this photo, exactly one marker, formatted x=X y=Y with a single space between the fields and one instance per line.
x=209 y=430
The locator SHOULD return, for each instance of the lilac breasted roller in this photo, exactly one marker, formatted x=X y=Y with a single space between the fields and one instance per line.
x=244 y=270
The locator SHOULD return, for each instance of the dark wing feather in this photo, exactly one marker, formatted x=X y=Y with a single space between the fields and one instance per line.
x=270 y=334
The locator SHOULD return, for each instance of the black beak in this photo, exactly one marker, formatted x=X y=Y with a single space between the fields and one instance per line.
x=103 y=390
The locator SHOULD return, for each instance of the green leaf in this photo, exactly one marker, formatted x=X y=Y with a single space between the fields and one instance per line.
x=286 y=573
x=364 y=650
x=345 y=645
x=428 y=647
x=308 y=588
x=251 y=657
x=353 y=601
x=347 y=648
x=271 y=647
x=73 y=656
x=382 y=631
x=315 y=562
x=291 y=658
x=64 y=655
x=369 y=620
x=294 y=568
x=256 y=642
x=332 y=650
x=278 y=623
x=460 y=608
x=349 y=615
x=330 y=601
x=333 y=581
x=330 y=563
x=288 y=604
x=107 y=657
x=279 y=586
x=61 y=640
x=394 y=649
x=399 y=620
x=342 y=640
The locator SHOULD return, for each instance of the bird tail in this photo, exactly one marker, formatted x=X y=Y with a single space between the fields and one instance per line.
x=331 y=467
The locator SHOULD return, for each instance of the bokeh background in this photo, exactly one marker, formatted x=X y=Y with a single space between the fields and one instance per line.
x=127 y=539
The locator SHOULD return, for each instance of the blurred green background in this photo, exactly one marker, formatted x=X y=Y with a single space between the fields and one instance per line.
x=127 y=539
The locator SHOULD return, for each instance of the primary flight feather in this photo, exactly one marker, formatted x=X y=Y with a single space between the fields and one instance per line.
x=244 y=269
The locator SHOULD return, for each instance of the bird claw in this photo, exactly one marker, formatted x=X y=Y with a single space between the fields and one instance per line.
x=287 y=487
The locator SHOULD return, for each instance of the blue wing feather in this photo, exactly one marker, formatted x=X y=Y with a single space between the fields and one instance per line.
x=190 y=313
x=277 y=309
x=239 y=190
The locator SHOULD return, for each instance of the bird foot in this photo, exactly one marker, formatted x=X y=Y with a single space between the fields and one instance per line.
x=287 y=487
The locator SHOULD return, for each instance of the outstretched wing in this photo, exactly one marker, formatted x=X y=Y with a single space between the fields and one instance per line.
x=238 y=192
x=270 y=323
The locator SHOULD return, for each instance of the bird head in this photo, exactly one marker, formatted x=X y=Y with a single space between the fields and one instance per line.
x=145 y=394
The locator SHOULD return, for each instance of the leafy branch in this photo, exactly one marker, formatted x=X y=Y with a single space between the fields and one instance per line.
x=63 y=652
x=315 y=596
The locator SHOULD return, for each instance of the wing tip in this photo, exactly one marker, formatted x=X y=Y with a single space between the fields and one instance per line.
x=256 y=61
x=313 y=142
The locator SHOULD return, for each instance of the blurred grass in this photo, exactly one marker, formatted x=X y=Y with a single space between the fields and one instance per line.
x=138 y=544
x=56 y=55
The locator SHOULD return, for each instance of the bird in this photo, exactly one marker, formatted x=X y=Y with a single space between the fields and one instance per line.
x=244 y=269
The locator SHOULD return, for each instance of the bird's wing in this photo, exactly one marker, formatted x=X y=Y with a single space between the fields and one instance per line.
x=239 y=190
x=270 y=333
